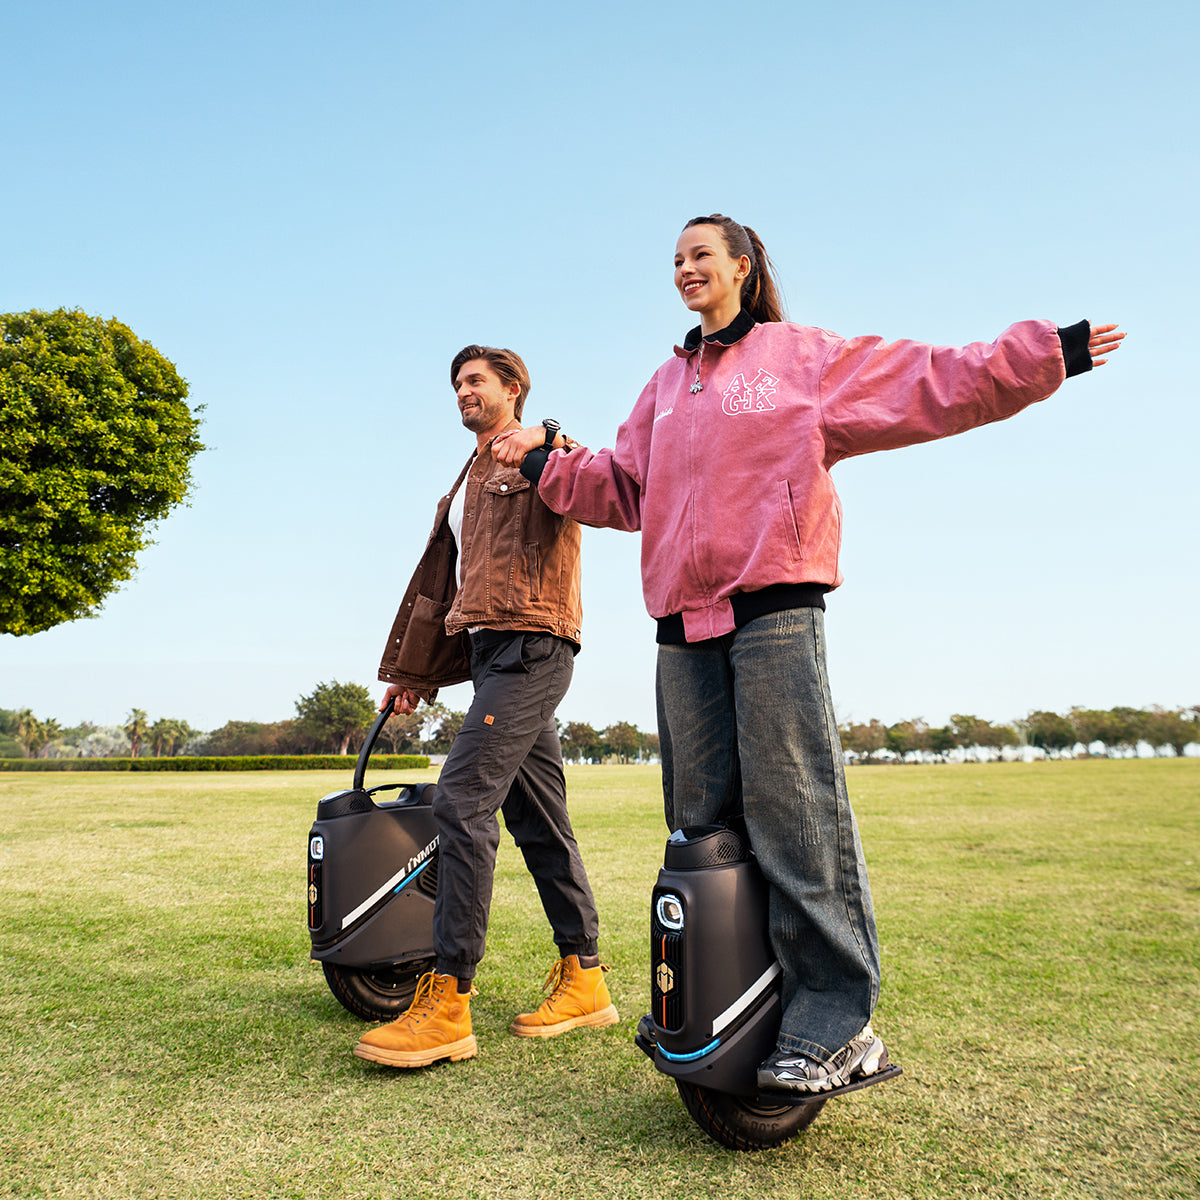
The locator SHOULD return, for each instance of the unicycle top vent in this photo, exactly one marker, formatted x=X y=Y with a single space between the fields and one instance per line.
x=698 y=846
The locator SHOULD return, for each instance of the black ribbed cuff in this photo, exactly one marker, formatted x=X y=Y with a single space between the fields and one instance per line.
x=1074 y=341
x=534 y=464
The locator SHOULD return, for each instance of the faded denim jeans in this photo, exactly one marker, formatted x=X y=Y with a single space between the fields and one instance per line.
x=747 y=727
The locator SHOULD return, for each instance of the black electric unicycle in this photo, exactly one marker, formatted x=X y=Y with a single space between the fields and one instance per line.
x=372 y=878
x=715 y=992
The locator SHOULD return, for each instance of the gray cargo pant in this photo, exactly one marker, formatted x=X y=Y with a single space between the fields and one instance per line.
x=507 y=758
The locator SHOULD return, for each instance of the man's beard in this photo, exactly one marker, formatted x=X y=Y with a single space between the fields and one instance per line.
x=481 y=418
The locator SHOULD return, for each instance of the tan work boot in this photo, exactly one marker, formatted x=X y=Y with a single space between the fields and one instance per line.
x=578 y=997
x=436 y=1026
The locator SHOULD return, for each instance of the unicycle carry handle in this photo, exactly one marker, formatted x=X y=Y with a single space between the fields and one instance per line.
x=360 y=767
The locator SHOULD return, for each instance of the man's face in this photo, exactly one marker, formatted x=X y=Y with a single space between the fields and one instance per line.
x=484 y=400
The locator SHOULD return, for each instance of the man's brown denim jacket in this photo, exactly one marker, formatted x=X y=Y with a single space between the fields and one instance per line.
x=520 y=571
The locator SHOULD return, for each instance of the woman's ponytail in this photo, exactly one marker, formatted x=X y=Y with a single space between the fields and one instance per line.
x=760 y=292
x=760 y=289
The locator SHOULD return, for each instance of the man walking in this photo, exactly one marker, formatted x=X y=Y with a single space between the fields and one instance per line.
x=495 y=599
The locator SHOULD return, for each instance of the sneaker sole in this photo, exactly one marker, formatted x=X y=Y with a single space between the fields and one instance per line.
x=870 y=1064
x=596 y=1020
x=466 y=1047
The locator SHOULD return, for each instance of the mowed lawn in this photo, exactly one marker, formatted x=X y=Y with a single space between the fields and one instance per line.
x=162 y=1032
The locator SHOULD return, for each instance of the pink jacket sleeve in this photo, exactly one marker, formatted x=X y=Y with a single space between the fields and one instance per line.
x=877 y=395
x=604 y=489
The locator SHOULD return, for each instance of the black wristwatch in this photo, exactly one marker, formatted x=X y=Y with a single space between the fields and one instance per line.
x=552 y=428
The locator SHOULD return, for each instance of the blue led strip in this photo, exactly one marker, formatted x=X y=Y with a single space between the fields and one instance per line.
x=667 y=1054
x=409 y=878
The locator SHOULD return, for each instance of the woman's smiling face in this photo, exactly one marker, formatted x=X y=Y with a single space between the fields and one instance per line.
x=708 y=277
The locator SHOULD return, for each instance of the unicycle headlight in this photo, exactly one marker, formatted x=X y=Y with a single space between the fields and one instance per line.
x=669 y=911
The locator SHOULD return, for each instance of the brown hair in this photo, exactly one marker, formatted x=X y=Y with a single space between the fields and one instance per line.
x=760 y=289
x=506 y=363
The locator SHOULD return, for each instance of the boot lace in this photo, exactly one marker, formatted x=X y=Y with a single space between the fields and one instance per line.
x=431 y=987
x=558 y=980
x=425 y=998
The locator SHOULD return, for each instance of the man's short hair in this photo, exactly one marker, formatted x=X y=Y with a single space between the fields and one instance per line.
x=505 y=363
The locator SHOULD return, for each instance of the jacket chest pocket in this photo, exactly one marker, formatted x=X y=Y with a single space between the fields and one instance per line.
x=507 y=495
x=506 y=485
x=506 y=499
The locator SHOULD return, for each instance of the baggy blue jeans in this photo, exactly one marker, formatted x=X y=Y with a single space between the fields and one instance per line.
x=747 y=727
x=507 y=759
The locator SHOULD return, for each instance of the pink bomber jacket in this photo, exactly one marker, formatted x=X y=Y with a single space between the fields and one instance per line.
x=730 y=483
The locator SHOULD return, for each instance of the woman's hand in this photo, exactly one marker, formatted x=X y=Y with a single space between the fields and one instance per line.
x=1102 y=343
x=511 y=446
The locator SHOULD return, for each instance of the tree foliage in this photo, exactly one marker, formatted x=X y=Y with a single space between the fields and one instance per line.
x=242 y=738
x=906 y=737
x=450 y=727
x=168 y=735
x=579 y=741
x=1049 y=731
x=865 y=739
x=622 y=740
x=336 y=713
x=136 y=726
x=96 y=443
x=1172 y=727
x=402 y=732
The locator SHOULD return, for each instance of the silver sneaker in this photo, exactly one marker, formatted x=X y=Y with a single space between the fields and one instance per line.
x=864 y=1054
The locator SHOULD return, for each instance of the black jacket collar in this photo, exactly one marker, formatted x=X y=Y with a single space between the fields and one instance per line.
x=733 y=332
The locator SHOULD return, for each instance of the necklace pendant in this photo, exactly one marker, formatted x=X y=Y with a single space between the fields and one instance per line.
x=696 y=387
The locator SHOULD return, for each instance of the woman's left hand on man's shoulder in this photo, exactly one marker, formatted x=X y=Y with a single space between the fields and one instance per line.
x=511 y=446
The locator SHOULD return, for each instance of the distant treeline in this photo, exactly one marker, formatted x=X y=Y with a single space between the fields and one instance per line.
x=231 y=762
x=334 y=719
x=1114 y=731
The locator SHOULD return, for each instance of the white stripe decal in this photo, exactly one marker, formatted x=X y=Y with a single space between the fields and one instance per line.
x=746 y=999
x=351 y=917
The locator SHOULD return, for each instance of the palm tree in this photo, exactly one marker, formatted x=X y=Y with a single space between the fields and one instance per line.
x=181 y=731
x=50 y=730
x=136 y=728
x=30 y=732
x=168 y=735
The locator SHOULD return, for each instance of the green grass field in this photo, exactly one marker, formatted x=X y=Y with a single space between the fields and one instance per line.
x=163 y=1033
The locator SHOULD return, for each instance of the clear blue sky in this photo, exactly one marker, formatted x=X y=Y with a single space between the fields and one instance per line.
x=310 y=207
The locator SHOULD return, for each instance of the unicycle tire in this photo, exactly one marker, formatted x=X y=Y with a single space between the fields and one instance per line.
x=739 y=1123
x=379 y=995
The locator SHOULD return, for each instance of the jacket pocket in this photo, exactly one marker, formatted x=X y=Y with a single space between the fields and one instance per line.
x=506 y=483
x=426 y=650
x=506 y=502
x=787 y=513
x=533 y=569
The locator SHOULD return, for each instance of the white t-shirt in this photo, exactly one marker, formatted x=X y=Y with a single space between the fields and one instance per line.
x=455 y=516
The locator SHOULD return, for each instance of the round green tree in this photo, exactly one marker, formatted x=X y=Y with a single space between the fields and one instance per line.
x=336 y=713
x=96 y=444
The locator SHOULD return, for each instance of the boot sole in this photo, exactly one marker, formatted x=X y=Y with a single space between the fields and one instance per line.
x=596 y=1020
x=466 y=1047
